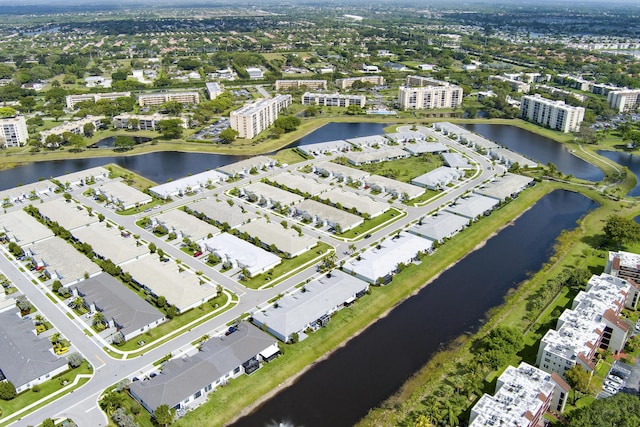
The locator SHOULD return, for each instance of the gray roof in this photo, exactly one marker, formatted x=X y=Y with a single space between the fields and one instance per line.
x=341 y=170
x=437 y=178
x=296 y=311
x=24 y=356
x=188 y=225
x=300 y=183
x=472 y=206
x=118 y=302
x=440 y=226
x=125 y=194
x=182 y=377
x=271 y=194
x=62 y=260
x=406 y=136
x=110 y=242
x=323 y=147
x=392 y=186
x=68 y=214
x=23 y=228
x=363 y=204
x=426 y=147
x=287 y=240
x=367 y=141
x=505 y=186
x=330 y=214
x=244 y=166
x=221 y=212
x=372 y=155
x=455 y=160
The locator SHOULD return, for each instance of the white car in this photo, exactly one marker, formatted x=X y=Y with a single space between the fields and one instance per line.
x=615 y=379
x=610 y=390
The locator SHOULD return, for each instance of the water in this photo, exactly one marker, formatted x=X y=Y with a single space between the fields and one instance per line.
x=538 y=148
x=631 y=161
x=334 y=131
x=359 y=376
x=108 y=142
x=158 y=167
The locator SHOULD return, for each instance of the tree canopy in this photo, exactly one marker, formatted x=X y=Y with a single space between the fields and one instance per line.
x=621 y=410
x=621 y=230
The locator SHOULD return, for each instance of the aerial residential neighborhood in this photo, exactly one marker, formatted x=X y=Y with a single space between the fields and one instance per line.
x=319 y=214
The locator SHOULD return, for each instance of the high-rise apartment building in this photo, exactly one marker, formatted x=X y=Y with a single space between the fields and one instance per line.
x=13 y=131
x=555 y=115
x=254 y=118
x=624 y=100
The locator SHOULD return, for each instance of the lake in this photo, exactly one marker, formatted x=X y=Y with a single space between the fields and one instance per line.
x=629 y=160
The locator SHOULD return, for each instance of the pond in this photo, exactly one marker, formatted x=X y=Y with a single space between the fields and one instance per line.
x=108 y=142
x=542 y=150
x=632 y=161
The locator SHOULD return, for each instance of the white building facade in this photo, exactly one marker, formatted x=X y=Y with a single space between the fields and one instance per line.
x=254 y=118
x=13 y=131
x=555 y=115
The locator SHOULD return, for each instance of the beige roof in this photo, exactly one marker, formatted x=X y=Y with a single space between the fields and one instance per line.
x=221 y=212
x=364 y=204
x=188 y=225
x=300 y=183
x=69 y=214
x=285 y=239
x=62 y=260
x=272 y=194
x=109 y=242
x=182 y=289
x=22 y=228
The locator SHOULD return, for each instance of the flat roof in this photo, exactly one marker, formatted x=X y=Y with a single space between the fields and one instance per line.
x=406 y=136
x=337 y=169
x=301 y=183
x=439 y=226
x=180 y=288
x=328 y=213
x=296 y=310
x=110 y=243
x=285 y=239
x=23 y=228
x=365 y=141
x=96 y=172
x=41 y=189
x=376 y=263
x=118 y=302
x=245 y=165
x=24 y=356
x=251 y=257
x=472 y=206
x=64 y=260
x=182 y=377
x=124 y=193
x=271 y=193
x=221 y=212
x=68 y=214
x=505 y=186
x=188 y=225
x=364 y=204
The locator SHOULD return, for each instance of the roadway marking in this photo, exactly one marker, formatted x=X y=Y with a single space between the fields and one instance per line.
x=101 y=361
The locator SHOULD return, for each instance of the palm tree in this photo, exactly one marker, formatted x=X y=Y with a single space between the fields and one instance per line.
x=352 y=247
x=98 y=319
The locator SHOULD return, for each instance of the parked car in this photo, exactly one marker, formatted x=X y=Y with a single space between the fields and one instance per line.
x=197 y=253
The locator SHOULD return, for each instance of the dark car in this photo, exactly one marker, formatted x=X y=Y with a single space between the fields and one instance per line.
x=366 y=236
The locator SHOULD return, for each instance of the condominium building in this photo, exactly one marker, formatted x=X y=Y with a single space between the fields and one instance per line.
x=161 y=98
x=419 y=81
x=214 y=89
x=142 y=121
x=626 y=265
x=522 y=397
x=429 y=97
x=592 y=322
x=346 y=83
x=254 y=118
x=72 y=100
x=76 y=127
x=624 y=100
x=333 y=100
x=555 y=115
x=517 y=85
x=13 y=131
x=295 y=84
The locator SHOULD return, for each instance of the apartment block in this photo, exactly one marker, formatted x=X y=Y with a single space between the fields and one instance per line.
x=76 y=127
x=624 y=100
x=72 y=100
x=142 y=121
x=522 y=397
x=626 y=265
x=160 y=98
x=333 y=100
x=517 y=85
x=429 y=97
x=593 y=322
x=419 y=81
x=214 y=89
x=346 y=83
x=254 y=118
x=295 y=84
x=555 y=115
x=13 y=131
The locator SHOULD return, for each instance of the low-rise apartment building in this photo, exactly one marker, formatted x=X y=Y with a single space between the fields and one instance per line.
x=256 y=117
x=295 y=84
x=72 y=100
x=347 y=82
x=333 y=99
x=515 y=85
x=555 y=115
x=434 y=95
x=76 y=127
x=155 y=99
x=142 y=121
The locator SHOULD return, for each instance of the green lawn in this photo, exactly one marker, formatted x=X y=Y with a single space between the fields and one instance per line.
x=403 y=170
x=286 y=267
x=372 y=224
x=7 y=407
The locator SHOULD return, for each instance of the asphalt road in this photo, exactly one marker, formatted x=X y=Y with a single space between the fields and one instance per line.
x=81 y=405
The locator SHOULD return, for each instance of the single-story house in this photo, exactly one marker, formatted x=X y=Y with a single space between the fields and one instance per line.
x=438 y=178
x=439 y=226
x=472 y=206
x=241 y=253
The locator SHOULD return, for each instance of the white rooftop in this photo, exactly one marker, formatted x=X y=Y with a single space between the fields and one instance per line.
x=426 y=147
x=271 y=194
x=372 y=155
x=392 y=186
x=439 y=226
x=363 y=204
x=341 y=170
x=437 y=178
x=246 y=255
x=98 y=173
x=243 y=167
x=455 y=160
x=323 y=212
x=406 y=136
x=125 y=194
x=193 y=182
x=472 y=206
x=325 y=147
x=382 y=260
x=300 y=183
x=62 y=261
x=368 y=141
x=221 y=212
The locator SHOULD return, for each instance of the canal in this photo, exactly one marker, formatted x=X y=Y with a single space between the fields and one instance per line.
x=536 y=147
x=359 y=376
